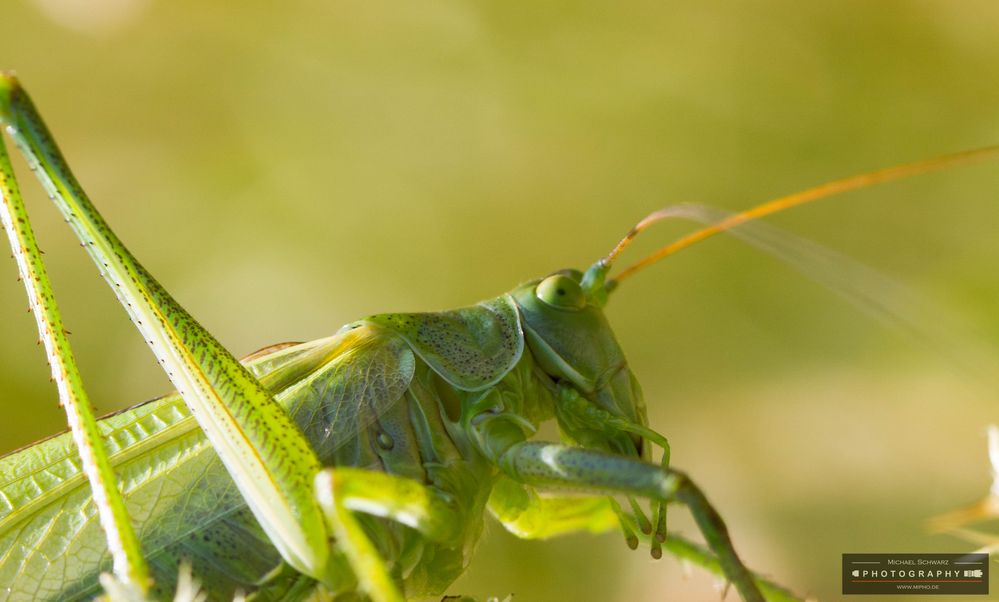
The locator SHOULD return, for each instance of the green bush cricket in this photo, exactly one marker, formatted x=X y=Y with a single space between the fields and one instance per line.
x=360 y=464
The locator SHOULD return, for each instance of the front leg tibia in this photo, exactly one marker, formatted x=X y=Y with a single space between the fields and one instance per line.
x=541 y=464
x=555 y=465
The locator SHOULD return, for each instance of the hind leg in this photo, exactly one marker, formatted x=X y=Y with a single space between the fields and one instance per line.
x=131 y=574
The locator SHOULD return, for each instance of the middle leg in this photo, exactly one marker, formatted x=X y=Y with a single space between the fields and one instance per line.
x=343 y=491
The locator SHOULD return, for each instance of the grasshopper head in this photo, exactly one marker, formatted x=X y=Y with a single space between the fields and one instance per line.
x=569 y=337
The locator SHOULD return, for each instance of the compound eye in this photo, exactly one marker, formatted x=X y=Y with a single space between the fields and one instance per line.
x=561 y=292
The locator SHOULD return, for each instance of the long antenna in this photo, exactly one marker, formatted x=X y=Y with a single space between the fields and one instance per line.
x=822 y=191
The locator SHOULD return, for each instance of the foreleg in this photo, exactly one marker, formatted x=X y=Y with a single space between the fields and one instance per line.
x=542 y=464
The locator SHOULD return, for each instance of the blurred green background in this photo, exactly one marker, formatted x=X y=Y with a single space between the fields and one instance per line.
x=285 y=168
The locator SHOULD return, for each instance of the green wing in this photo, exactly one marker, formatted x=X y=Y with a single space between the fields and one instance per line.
x=472 y=347
x=371 y=371
x=182 y=501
